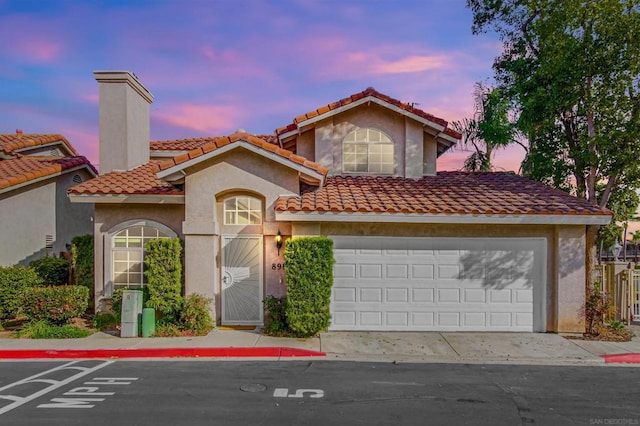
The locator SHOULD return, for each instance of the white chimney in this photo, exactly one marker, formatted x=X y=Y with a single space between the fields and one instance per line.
x=124 y=120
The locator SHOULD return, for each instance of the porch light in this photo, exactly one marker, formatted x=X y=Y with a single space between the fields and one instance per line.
x=278 y=241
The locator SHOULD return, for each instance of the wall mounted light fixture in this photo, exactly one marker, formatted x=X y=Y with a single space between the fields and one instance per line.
x=278 y=241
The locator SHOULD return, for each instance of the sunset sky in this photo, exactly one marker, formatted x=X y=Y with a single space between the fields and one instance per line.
x=220 y=65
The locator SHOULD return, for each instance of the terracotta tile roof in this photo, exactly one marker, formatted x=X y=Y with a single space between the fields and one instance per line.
x=195 y=143
x=19 y=170
x=11 y=142
x=254 y=140
x=502 y=193
x=370 y=91
x=141 y=180
x=180 y=144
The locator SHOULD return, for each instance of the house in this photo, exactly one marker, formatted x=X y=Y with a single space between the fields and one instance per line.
x=415 y=249
x=36 y=217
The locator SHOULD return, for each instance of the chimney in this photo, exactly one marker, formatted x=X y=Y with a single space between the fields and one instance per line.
x=124 y=120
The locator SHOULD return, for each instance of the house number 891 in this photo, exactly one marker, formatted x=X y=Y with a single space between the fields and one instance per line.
x=277 y=266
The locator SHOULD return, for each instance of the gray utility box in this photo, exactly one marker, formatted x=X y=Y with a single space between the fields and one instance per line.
x=131 y=313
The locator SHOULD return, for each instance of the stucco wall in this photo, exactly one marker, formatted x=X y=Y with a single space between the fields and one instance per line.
x=110 y=216
x=30 y=213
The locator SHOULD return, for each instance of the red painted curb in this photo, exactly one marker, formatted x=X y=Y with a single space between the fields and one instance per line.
x=622 y=358
x=253 y=352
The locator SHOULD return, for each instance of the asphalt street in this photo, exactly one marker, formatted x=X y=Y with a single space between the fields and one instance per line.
x=206 y=392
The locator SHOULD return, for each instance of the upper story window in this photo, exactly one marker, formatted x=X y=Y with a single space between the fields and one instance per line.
x=242 y=210
x=367 y=151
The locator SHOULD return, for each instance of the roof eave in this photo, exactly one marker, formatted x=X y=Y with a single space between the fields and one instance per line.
x=47 y=177
x=494 y=219
x=126 y=198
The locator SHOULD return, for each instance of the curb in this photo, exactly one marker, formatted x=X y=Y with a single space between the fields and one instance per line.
x=241 y=352
x=622 y=358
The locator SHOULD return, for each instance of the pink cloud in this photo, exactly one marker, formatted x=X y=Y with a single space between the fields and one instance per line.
x=410 y=64
x=210 y=119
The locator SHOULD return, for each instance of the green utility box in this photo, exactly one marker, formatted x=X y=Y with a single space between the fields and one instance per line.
x=148 y=322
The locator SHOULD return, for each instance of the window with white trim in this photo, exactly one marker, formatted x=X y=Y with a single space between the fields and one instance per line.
x=242 y=210
x=127 y=254
x=367 y=151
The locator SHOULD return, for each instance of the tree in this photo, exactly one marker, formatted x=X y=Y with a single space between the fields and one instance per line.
x=488 y=130
x=573 y=71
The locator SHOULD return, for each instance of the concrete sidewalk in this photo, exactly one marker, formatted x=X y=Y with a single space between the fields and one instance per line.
x=458 y=347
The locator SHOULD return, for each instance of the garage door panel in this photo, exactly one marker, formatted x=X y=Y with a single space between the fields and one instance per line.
x=390 y=283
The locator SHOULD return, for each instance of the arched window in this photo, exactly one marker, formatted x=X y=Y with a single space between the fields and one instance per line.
x=127 y=253
x=367 y=151
x=242 y=210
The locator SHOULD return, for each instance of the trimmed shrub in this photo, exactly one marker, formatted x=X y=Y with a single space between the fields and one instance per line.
x=309 y=268
x=167 y=329
x=14 y=281
x=194 y=316
x=43 y=330
x=163 y=269
x=116 y=300
x=275 y=323
x=52 y=270
x=82 y=260
x=56 y=304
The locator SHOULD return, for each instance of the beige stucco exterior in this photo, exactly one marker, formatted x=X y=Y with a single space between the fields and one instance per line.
x=30 y=213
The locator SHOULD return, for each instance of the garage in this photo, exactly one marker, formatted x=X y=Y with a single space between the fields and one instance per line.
x=439 y=284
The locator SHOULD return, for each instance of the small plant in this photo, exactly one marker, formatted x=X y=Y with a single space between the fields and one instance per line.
x=105 y=321
x=55 y=304
x=43 y=330
x=167 y=329
x=194 y=315
x=14 y=283
x=52 y=270
x=275 y=323
x=597 y=307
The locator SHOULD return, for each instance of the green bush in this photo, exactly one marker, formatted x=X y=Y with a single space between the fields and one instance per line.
x=56 y=304
x=309 y=267
x=14 y=281
x=52 y=270
x=43 y=330
x=116 y=300
x=167 y=329
x=163 y=269
x=82 y=261
x=275 y=323
x=194 y=315
x=105 y=320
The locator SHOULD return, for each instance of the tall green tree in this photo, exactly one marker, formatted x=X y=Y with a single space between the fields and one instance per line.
x=488 y=130
x=572 y=69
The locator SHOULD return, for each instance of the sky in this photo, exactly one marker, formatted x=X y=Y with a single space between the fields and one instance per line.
x=217 y=66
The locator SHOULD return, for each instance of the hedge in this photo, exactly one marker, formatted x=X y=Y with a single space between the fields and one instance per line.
x=309 y=268
x=14 y=281
x=56 y=304
x=82 y=260
x=52 y=270
x=163 y=269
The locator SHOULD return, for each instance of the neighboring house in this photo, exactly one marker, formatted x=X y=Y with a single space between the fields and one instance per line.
x=36 y=216
x=415 y=249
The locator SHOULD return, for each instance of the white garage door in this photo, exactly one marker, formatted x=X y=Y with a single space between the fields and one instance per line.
x=474 y=284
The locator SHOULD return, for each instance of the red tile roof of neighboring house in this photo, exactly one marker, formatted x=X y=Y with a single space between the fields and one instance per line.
x=141 y=180
x=195 y=143
x=500 y=193
x=219 y=142
x=11 y=142
x=23 y=169
x=370 y=91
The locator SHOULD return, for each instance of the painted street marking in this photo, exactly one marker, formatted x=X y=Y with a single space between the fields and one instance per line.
x=300 y=393
x=84 y=391
x=53 y=384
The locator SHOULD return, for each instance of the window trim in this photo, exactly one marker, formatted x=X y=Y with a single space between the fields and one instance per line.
x=368 y=144
x=108 y=247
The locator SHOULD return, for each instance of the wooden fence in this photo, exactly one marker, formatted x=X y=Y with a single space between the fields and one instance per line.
x=622 y=288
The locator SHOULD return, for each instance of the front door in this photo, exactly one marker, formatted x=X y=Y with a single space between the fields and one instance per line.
x=242 y=280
